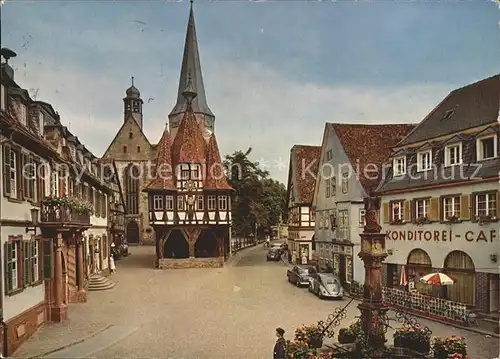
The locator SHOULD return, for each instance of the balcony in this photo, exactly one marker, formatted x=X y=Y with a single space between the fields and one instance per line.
x=63 y=214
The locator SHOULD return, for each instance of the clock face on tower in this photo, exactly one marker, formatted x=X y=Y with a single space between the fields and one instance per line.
x=189 y=185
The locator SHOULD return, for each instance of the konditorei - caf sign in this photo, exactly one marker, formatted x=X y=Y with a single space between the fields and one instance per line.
x=485 y=236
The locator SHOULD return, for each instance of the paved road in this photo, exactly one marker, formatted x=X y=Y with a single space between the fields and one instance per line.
x=199 y=313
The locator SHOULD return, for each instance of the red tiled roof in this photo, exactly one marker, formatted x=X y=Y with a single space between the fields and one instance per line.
x=163 y=170
x=189 y=145
x=306 y=162
x=215 y=177
x=369 y=144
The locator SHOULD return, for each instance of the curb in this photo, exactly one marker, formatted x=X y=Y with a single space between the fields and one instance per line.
x=469 y=329
x=235 y=258
x=91 y=335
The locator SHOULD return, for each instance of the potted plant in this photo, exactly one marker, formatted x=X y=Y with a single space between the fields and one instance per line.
x=453 y=219
x=350 y=334
x=300 y=350
x=311 y=334
x=422 y=220
x=449 y=347
x=412 y=338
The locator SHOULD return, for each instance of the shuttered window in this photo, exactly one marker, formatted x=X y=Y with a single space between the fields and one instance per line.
x=27 y=272
x=12 y=186
x=12 y=271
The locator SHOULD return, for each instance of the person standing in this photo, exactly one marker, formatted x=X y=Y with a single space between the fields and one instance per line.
x=112 y=266
x=280 y=345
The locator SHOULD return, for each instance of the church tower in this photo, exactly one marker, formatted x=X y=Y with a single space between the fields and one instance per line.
x=132 y=104
x=191 y=73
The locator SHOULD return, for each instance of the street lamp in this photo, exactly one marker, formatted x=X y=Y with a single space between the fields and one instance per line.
x=34 y=220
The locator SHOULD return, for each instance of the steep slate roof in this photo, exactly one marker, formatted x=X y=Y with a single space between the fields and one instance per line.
x=215 y=177
x=189 y=145
x=163 y=170
x=191 y=68
x=304 y=182
x=474 y=105
x=369 y=144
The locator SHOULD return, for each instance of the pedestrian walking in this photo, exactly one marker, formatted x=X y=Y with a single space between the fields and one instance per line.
x=112 y=266
x=280 y=346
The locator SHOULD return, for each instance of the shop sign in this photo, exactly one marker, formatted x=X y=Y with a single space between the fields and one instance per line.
x=442 y=236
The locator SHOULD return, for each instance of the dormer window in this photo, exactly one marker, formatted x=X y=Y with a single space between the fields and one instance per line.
x=41 y=123
x=424 y=161
x=399 y=165
x=486 y=147
x=453 y=154
x=22 y=113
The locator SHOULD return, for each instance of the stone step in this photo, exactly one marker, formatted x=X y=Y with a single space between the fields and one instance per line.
x=98 y=282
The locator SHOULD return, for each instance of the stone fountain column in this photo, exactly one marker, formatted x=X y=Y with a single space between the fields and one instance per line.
x=373 y=253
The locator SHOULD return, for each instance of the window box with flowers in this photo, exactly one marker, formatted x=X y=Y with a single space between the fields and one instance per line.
x=453 y=219
x=307 y=343
x=449 y=347
x=420 y=221
x=66 y=209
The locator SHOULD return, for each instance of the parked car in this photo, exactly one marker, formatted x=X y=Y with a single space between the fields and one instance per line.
x=326 y=285
x=300 y=275
x=274 y=254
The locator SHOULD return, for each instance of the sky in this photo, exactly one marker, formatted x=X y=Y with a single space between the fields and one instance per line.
x=274 y=71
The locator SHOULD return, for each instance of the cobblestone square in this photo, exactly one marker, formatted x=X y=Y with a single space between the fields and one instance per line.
x=199 y=313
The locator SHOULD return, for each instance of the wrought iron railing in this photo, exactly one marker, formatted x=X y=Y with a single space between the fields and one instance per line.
x=427 y=305
x=63 y=214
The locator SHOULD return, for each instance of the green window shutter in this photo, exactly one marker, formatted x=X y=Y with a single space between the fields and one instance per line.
x=6 y=170
x=47 y=259
x=32 y=261
x=8 y=267
x=26 y=263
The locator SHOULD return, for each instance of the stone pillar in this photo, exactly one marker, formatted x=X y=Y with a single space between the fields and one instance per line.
x=58 y=312
x=80 y=279
x=373 y=312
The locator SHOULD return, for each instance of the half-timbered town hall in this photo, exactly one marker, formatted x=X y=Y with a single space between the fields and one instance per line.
x=182 y=203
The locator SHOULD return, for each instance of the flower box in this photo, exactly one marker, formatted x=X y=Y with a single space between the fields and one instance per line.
x=449 y=347
x=413 y=339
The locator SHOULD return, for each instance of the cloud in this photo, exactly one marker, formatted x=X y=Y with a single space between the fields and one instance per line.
x=254 y=106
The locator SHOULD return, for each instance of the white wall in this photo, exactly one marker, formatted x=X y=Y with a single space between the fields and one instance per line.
x=30 y=296
x=478 y=250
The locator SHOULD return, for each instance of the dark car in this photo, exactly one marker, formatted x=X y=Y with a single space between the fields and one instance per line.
x=300 y=275
x=274 y=254
x=326 y=285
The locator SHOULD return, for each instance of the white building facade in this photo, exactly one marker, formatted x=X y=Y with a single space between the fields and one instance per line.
x=341 y=186
x=440 y=199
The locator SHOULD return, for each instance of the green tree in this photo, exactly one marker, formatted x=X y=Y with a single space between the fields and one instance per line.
x=257 y=199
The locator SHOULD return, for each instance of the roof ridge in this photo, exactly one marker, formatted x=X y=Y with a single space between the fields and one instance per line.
x=163 y=179
x=215 y=177
x=189 y=145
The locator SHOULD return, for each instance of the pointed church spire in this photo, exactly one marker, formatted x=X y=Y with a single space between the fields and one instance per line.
x=191 y=66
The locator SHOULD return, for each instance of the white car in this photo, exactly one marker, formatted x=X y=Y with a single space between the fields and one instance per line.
x=326 y=285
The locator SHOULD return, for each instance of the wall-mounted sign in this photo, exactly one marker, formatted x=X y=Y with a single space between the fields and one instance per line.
x=442 y=236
